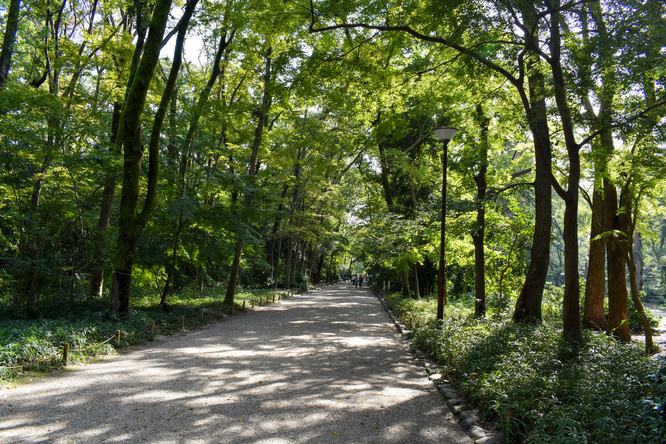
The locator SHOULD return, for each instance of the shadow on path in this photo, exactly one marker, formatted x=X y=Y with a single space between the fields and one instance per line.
x=325 y=366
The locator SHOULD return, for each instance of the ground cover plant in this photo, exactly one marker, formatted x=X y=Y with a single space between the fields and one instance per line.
x=36 y=344
x=535 y=386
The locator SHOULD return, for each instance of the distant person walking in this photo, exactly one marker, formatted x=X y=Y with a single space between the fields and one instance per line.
x=360 y=281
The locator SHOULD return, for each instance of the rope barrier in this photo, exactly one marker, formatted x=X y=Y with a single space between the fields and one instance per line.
x=92 y=346
x=132 y=335
x=29 y=364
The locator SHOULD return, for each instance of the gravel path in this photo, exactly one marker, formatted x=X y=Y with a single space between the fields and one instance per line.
x=323 y=367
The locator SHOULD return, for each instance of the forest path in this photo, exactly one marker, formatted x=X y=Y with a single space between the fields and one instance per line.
x=326 y=366
x=659 y=332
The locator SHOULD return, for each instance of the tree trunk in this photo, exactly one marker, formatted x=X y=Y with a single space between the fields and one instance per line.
x=287 y=262
x=415 y=280
x=276 y=265
x=295 y=260
x=329 y=275
x=528 y=305
x=384 y=171
x=316 y=278
x=233 y=274
x=302 y=256
x=478 y=235
x=479 y=262
x=618 y=311
x=201 y=274
x=404 y=280
x=615 y=259
x=645 y=323
x=571 y=300
x=595 y=288
x=172 y=262
x=273 y=252
x=638 y=259
x=8 y=40
x=627 y=246
x=101 y=236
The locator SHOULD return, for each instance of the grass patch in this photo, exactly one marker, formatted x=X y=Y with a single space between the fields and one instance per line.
x=28 y=345
x=538 y=388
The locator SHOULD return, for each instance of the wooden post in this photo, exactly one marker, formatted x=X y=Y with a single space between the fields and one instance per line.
x=182 y=322
x=243 y=305
x=219 y=311
x=152 y=330
x=253 y=303
x=202 y=315
x=273 y=297
x=65 y=354
x=510 y=413
x=117 y=338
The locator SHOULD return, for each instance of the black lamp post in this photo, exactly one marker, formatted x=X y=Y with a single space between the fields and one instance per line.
x=445 y=134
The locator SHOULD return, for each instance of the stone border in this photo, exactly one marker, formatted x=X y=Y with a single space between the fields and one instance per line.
x=454 y=399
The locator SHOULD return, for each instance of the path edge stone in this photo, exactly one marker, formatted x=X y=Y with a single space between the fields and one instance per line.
x=454 y=400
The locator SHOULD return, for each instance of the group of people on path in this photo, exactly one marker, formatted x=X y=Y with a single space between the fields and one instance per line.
x=358 y=279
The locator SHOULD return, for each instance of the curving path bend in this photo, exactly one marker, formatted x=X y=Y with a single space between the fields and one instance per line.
x=326 y=366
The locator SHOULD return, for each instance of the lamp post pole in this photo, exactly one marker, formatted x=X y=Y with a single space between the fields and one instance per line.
x=445 y=134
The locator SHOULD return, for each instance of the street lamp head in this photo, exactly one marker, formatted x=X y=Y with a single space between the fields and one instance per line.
x=445 y=133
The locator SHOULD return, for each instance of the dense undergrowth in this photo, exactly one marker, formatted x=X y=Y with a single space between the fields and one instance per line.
x=35 y=343
x=537 y=388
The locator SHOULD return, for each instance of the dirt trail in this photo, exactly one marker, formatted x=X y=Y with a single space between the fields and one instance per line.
x=323 y=367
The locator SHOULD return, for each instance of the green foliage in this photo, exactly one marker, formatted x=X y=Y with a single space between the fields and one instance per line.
x=635 y=320
x=652 y=427
x=601 y=391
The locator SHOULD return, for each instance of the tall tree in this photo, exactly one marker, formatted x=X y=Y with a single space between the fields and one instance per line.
x=198 y=111
x=262 y=117
x=131 y=221
x=100 y=236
